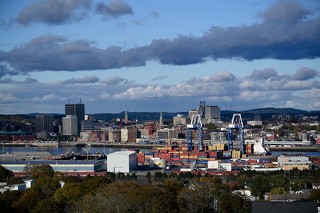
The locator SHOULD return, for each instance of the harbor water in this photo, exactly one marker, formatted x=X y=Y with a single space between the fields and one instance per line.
x=107 y=150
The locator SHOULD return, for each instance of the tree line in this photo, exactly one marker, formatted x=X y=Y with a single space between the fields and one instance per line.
x=158 y=192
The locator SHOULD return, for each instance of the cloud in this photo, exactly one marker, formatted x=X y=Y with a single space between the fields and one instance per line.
x=54 y=12
x=154 y=14
x=104 y=96
x=284 y=11
x=31 y=80
x=141 y=93
x=263 y=74
x=49 y=97
x=115 y=80
x=114 y=9
x=301 y=85
x=5 y=69
x=158 y=78
x=221 y=88
x=84 y=80
x=287 y=41
x=221 y=76
x=305 y=74
x=7 y=98
x=28 y=80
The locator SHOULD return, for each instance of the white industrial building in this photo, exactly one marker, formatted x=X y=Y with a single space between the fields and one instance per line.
x=219 y=165
x=122 y=161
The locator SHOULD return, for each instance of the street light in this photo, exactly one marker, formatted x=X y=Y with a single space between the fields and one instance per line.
x=84 y=149
x=114 y=171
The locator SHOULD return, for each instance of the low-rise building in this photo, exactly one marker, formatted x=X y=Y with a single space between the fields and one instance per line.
x=122 y=161
x=294 y=161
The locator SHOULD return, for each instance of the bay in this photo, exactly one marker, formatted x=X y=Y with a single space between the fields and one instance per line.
x=60 y=150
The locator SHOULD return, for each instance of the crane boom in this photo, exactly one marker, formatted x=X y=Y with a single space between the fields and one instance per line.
x=196 y=123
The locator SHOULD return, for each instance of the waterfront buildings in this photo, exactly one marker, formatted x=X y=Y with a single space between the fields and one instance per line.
x=70 y=125
x=179 y=120
x=212 y=114
x=297 y=161
x=68 y=167
x=122 y=161
x=129 y=134
x=77 y=110
x=44 y=123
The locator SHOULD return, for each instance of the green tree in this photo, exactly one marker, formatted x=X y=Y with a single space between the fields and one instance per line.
x=68 y=194
x=5 y=173
x=279 y=181
x=229 y=202
x=48 y=205
x=315 y=196
x=259 y=185
x=199 y=197
x=38 y=171
x=278 y=191
x=111 y=197
x=149 y=178
x=46 y=186
x=7 y=198
x=158 y=176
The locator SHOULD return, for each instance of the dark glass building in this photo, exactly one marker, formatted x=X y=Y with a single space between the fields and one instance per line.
x=78 y=110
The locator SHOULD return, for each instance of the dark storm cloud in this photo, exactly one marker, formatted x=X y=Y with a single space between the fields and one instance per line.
x=305 y=74
x=114 y=9
x=284 y=11
x=298 y=38
x=6 y=70
x=84 y=80
x=54 y=12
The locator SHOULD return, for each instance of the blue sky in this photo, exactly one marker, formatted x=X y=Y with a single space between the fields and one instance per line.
x=158 y=55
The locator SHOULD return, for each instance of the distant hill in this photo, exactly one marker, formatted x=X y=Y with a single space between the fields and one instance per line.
x=265 y=113
x=272 y=110
x=140 y=116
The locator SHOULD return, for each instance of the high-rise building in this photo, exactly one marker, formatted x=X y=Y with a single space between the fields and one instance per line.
x=70 y=125
x=212 y=114
x=44 y=123
x=77 y=110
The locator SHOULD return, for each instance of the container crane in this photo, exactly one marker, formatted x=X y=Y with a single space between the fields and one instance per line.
x=196 y=123
x=236 y=134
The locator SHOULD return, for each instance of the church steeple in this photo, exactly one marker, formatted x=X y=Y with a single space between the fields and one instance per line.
x=126 y=119
x=161 y=119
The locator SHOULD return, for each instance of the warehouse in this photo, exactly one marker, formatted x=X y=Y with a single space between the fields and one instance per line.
x=79 y=167
x=122 y=161
x=294 y=161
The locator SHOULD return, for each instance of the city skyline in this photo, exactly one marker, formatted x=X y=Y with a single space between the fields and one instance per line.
x=159 y=55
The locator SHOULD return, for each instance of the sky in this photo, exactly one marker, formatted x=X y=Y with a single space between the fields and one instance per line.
x=158 y=55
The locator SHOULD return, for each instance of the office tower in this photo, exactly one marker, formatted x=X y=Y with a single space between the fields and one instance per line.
x=70 y=125
x=212 y=114
x=77 y=110
x=44 y=123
